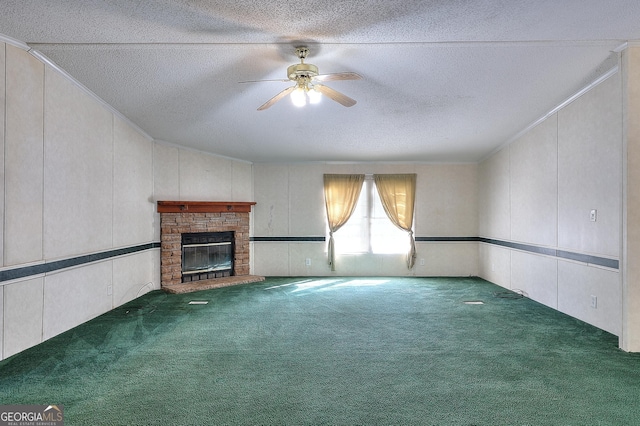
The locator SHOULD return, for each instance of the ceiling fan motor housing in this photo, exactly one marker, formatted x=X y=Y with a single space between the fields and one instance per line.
x=294 y=72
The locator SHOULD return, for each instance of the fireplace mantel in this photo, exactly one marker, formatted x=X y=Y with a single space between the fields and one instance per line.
x=205 y=206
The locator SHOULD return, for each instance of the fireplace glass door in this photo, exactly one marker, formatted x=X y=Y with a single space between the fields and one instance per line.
x=207 y=255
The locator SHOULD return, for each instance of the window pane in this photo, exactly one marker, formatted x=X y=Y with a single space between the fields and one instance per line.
x=385 y=236
x=377 y=234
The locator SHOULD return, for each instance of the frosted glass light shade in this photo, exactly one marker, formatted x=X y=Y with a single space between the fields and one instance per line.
x=314 y=96
x=298 y=97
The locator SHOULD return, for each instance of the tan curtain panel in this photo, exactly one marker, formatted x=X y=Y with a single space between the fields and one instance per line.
x=341 y=194
x=398 y=193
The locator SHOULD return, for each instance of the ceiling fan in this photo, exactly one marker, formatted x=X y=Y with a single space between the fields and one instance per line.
x=307 y=88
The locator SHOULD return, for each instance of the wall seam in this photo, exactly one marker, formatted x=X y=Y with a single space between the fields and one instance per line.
x=44 y=169
x=623 y=340
x=4 y=199
x=4 y=160
x=113 y=180
x=289 y=218
x=510 y=175
x=113 y=203
x=179 y=175
x=557 y=114
x=622 y=202
x=153 y=198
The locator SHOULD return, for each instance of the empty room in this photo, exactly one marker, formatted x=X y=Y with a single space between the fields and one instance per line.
x=315 y=212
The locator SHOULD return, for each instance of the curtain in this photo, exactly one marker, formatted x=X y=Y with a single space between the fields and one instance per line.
x=397 y=193
x=341 y=193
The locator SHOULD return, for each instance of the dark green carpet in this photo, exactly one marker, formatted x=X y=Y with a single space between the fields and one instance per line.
x=296 y=351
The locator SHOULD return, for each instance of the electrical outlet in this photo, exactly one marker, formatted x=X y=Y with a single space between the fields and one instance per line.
x=594 y=302
x=109 y=290
x=593 y=215
x=307 y=261
x=421 y=262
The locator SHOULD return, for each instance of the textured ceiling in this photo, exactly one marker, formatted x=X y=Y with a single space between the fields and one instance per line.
x=443 y=81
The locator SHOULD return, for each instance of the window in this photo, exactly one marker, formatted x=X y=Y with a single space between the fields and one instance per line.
x=369 y=230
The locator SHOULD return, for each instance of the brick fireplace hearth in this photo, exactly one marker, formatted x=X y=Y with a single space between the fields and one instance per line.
x=182 y=217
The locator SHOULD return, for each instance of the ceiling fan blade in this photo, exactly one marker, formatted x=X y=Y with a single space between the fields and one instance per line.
x=277 y=97
x=335 y=95
x=282 y=80
x=338 y=76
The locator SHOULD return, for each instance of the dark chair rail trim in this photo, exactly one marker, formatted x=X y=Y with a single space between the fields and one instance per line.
x=43 y=268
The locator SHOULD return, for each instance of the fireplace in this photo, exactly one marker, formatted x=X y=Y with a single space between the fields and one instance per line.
x=207 y=255
x=204 y=245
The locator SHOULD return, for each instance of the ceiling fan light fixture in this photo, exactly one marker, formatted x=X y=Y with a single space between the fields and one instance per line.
x=298 y=97
x=314 y=96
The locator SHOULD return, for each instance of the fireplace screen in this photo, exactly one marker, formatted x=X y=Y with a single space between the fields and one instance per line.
x=207 y=255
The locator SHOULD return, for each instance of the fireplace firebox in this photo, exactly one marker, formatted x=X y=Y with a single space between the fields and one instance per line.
x=207 y=255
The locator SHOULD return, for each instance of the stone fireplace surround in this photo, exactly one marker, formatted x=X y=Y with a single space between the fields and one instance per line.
x=178 y=217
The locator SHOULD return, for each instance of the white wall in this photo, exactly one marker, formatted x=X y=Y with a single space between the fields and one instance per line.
x=182 y=174
x=539 y=191
x=290 y=203
x=78 y=180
